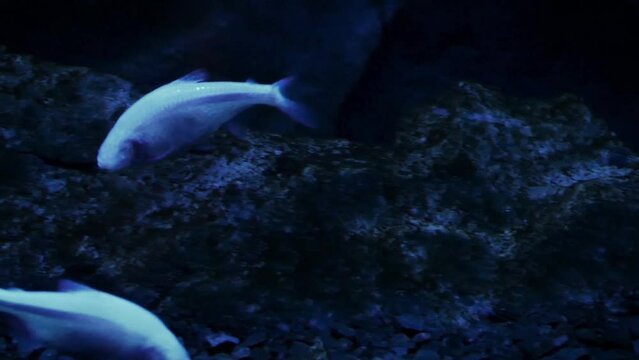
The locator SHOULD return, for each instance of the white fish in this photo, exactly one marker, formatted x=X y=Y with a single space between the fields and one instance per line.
x=176 y=115
x=87 y=324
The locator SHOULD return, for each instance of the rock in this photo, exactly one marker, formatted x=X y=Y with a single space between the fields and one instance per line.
x=474 y=357
x=285 y=328
x=560 y=341
x=343 y=330
x=615 y=336
x=221 y=357
x=568 y=354
x=589 y=335
x=633 y=326
x=537 y=347
x=597 y=353
x=255 y=339
x=390 y=356
x=260 y=354
x=241 y=352
x=400 y=344
x=300 y=350
x=219 y=340
x=426 y=354
x=411 y=322
x=343 y=344
x=37 y=117
x=49 y=355
x=516 y=193
x=319 y=350
x=421 y=337
x=341 y=356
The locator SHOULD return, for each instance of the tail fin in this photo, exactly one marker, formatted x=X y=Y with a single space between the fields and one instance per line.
x=295 y=110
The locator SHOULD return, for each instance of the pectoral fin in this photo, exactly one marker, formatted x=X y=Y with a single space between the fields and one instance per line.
x=26 y=345
x=145 y=153
x=22 y=335
x=236 y=128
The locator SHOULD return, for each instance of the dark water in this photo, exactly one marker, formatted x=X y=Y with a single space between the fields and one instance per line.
x=529 y=48
x=471 y=191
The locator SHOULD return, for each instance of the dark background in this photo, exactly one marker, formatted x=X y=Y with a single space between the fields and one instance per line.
x=362 y=62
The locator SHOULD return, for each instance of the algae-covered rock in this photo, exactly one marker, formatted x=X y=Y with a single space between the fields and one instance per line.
x=483 y=201
x=55 y=112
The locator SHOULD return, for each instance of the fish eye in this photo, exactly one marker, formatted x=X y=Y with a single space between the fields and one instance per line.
x=125 y=153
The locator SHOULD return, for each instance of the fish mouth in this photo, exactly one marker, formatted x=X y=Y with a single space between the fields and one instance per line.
x=109 y=167
x=106 y=165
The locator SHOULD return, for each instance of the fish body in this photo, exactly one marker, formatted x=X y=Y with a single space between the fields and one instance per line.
x=176 y=115
x=87 y=324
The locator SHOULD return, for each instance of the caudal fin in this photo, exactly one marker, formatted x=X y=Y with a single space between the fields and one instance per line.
x=295 y=110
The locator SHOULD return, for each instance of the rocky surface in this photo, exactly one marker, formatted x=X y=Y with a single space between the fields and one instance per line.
x=494 y=228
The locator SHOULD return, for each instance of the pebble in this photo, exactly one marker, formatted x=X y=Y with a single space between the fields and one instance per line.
x=560 y=341
x=427 y=354
x=568 y=354
x=255 y=339
x=218 y=339
x=241 y=352
x=411 y=322
x=421 y=337
x=344 y=330
x=300 y=350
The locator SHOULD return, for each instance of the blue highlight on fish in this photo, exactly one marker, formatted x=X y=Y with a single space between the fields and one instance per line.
x=85 y=323
x=175 y=116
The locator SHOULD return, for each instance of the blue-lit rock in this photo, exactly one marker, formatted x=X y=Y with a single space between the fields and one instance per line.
x=485 y=205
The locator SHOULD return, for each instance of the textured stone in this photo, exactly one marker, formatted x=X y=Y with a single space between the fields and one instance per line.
x=483 y=199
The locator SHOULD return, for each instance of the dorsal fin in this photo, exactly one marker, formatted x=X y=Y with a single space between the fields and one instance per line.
x=251 y=81
x=66 y=285
x=198 y=75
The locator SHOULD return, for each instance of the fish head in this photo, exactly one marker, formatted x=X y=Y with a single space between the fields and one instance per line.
x=115 y=155
x=175 y=351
